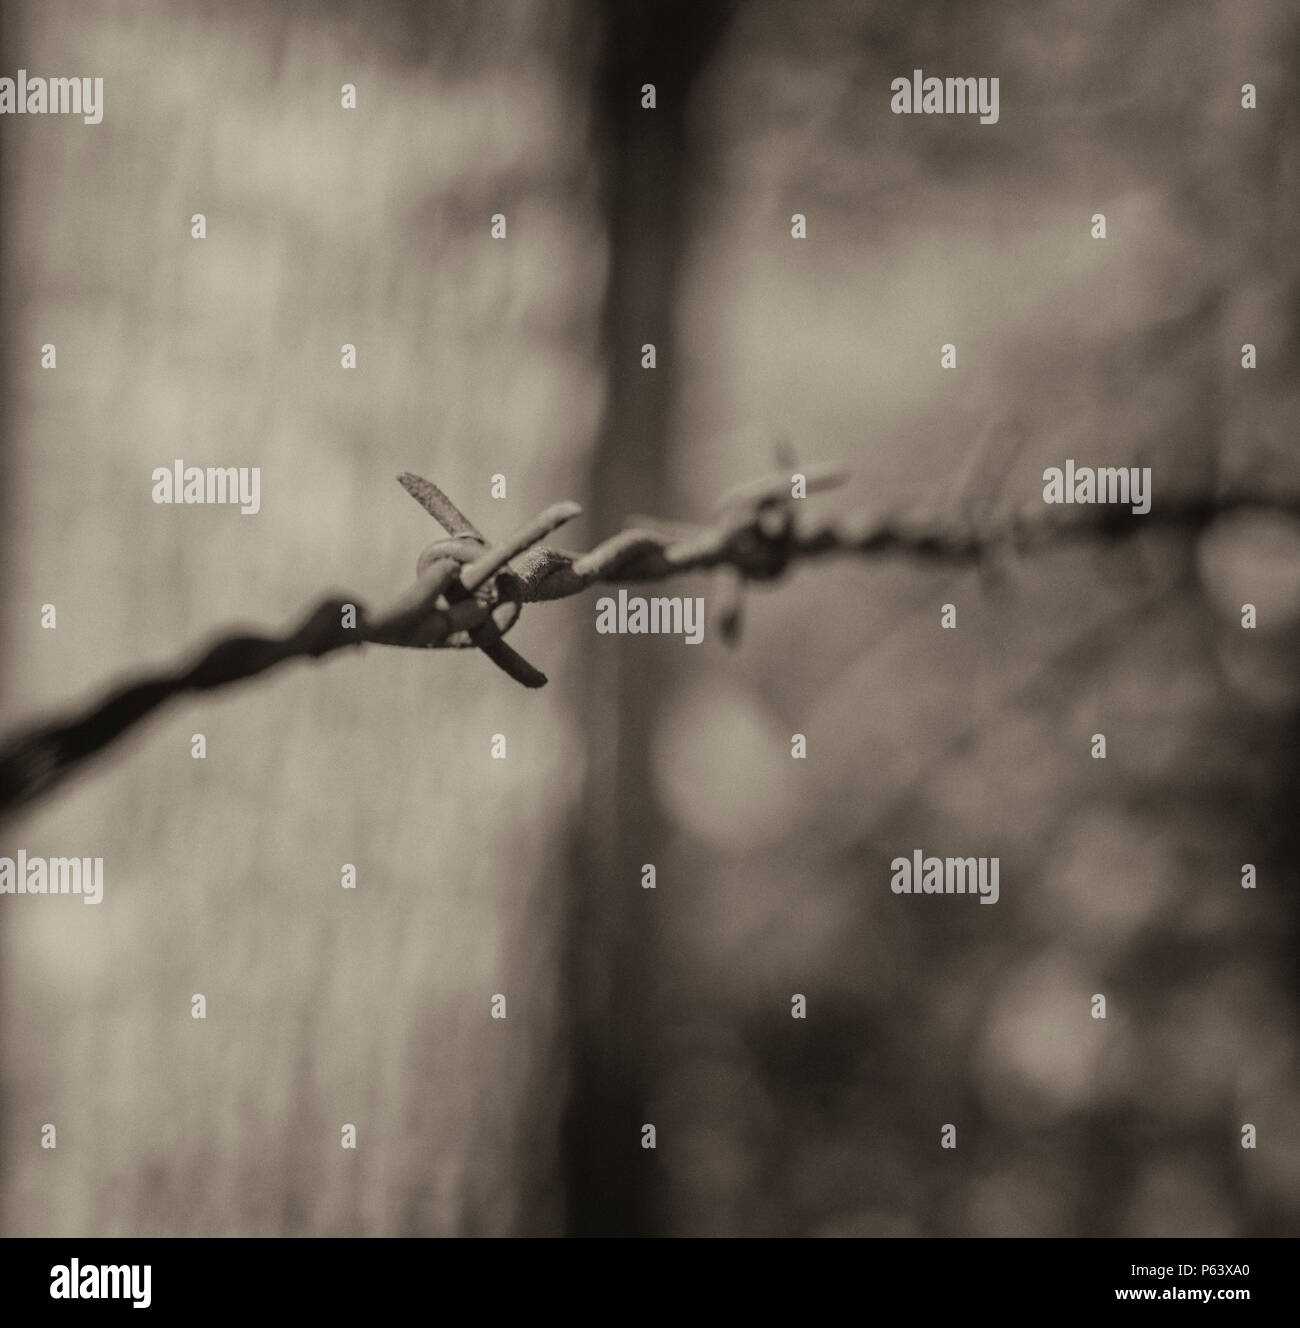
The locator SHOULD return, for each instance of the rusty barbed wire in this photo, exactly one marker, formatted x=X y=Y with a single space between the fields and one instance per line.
x=470 y=593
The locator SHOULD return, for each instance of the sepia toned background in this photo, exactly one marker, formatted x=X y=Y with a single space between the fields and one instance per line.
x=523 y=876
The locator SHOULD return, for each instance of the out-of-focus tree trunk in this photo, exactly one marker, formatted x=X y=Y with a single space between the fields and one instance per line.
x=609 y=972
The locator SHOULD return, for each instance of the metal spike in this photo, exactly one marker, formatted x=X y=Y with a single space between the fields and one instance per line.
x=438 y=505
x=483 y=569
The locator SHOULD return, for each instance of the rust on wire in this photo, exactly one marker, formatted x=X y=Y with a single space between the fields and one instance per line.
x=470 y=593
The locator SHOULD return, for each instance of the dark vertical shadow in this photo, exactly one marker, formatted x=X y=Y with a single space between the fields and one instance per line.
x=7 y=20
x=609 y=964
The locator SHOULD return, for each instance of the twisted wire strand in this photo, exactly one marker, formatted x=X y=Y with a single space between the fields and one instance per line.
x=469 y=593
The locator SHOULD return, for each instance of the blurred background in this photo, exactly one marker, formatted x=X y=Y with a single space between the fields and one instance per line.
x=523 y=876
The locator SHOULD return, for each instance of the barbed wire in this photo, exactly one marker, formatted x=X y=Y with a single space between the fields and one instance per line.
x=470 y=593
